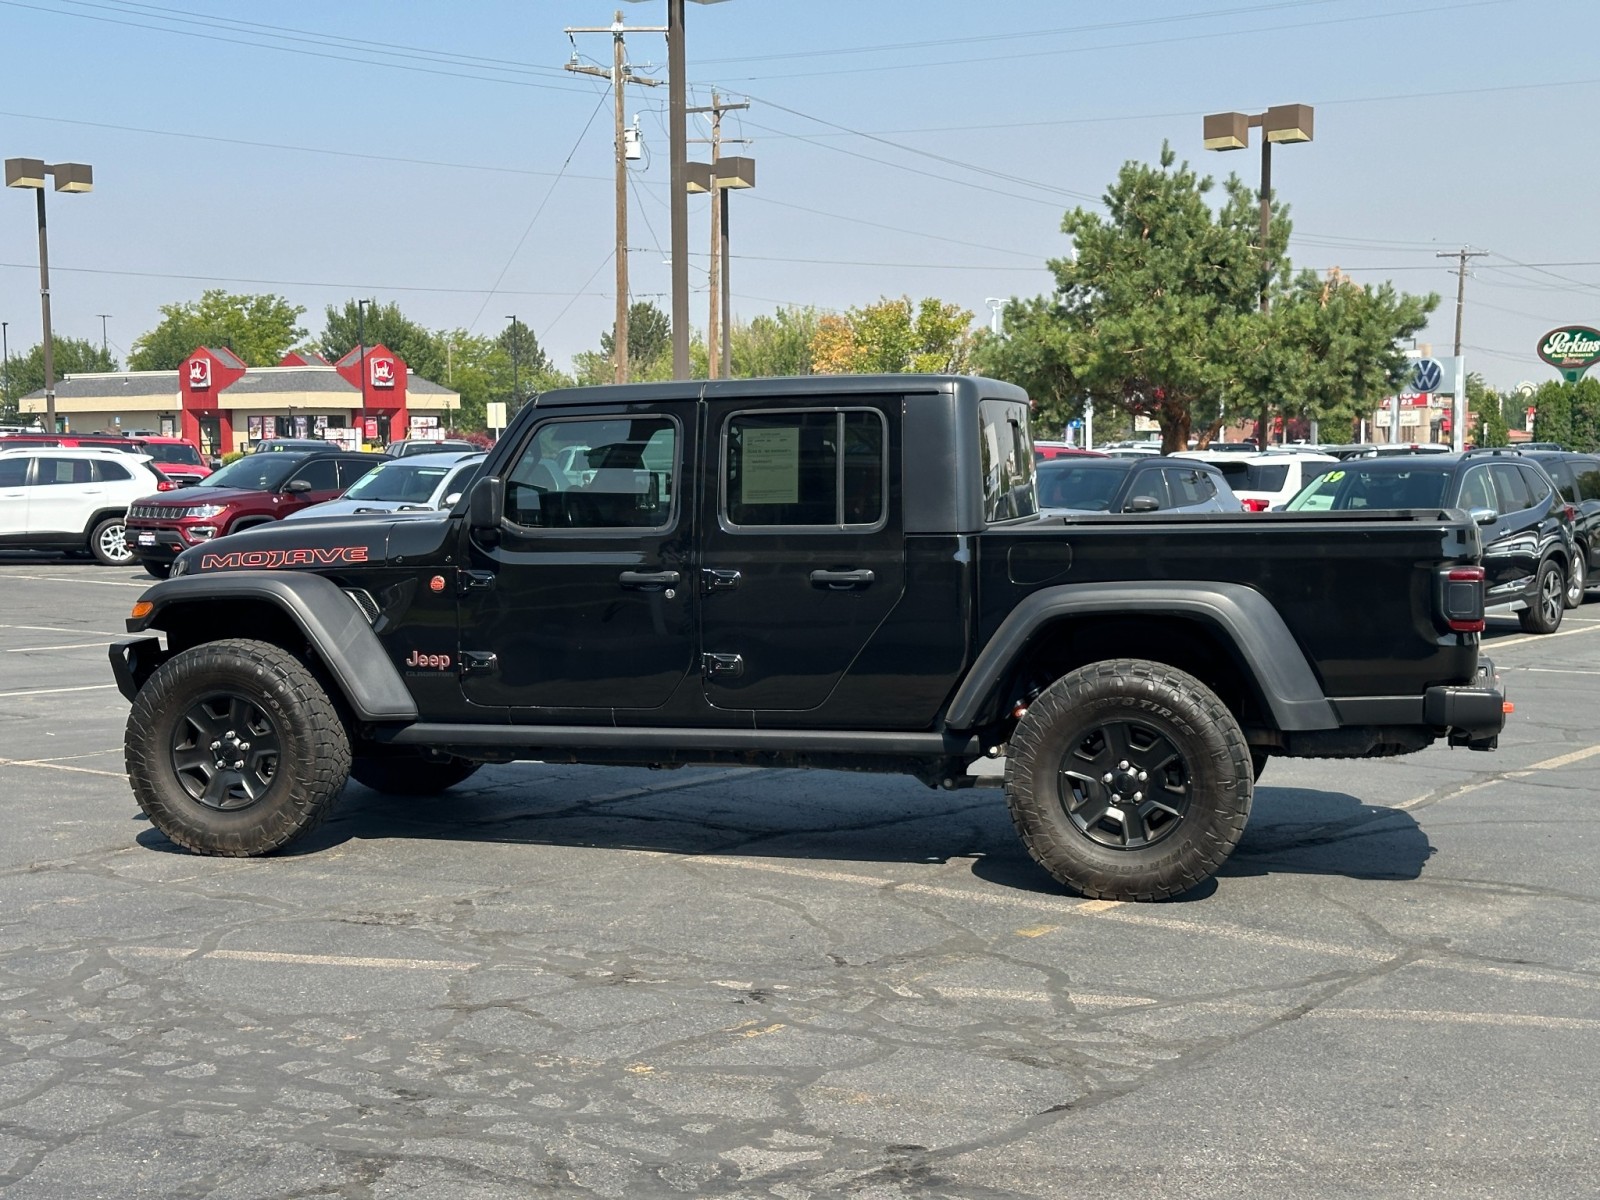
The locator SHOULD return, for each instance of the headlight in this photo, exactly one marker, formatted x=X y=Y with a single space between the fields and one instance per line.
x=202 y=510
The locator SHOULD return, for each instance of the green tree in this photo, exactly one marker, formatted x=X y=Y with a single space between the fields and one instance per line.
x=1484 y=402
x=385 y=325
x=1586 y=415
x=775 y=345
x=649 y=339
x=70 y=355
x=895 y=336
x=259 y=329
x=1552 y=422
x=1159 y=314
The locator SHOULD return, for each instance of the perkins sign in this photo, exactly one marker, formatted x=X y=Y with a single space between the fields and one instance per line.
x=1572 y=350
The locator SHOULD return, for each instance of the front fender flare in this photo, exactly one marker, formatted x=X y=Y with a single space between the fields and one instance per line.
x=328 y=618
x=1239 y=614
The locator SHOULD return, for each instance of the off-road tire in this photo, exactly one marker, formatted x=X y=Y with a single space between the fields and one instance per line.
x=1543 y=614
x=1148 y=716
x=108 y=542
x=198 y=700
x=410 y=774
x=157 y=570
x=1577 y=578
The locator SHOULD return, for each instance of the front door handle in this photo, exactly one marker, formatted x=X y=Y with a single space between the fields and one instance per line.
x=841 y=581
x=648 y=579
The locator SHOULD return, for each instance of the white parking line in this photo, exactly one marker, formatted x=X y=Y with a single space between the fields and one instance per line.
x=51 y=691
x=65 y=629
x=71 y=579
x=68 y=646
x=1538 y=637
x=47 y=765
x=311 y=960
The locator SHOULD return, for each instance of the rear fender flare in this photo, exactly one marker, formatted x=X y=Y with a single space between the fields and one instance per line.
x=1239 y=614
x=328 y=618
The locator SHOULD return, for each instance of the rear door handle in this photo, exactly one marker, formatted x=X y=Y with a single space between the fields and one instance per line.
x=840 y=581
x=648 y=579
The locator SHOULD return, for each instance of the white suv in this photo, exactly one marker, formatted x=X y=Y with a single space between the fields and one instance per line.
x=73 y=499
x=1263 y=481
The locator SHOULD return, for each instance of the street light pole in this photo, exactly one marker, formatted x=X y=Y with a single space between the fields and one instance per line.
x=361 y=348
x=5 y=364
x=515 y=389
x=1231 y=131
x=104 y=345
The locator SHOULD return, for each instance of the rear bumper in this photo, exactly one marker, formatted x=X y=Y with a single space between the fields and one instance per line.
x=1473 y=714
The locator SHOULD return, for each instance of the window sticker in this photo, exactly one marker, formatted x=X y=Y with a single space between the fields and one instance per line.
x=770 y=467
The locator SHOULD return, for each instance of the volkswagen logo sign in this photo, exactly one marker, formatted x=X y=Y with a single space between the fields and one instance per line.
x=1426 y=375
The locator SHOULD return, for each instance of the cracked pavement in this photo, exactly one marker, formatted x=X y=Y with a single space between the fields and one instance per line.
x=606 y=982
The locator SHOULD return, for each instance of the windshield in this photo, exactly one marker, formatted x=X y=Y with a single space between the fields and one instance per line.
x=398 y=483
x=1090 y=488
x=256 y=472
x=1254 y=477
x=173 y=452
x=1352 y=487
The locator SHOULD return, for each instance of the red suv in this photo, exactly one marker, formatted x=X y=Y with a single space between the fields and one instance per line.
x=251 y=491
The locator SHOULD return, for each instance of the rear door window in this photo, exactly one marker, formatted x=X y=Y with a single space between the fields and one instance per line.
x=1588 y=474
x=110 y=472
x=1511 y=487
x=1539 y=486
x=352 y=469
x=813 y=468
x=1560 y=473
x=65 y=470
x=1188 y=487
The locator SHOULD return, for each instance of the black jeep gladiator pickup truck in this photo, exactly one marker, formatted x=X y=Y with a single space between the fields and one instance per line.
x=835 y=572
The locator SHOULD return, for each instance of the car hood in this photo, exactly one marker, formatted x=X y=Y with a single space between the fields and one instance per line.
x=200 y=494
x=357 y=508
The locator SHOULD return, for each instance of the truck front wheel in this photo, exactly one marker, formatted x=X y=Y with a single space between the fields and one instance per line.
x=1129 y=780
x=233 y=748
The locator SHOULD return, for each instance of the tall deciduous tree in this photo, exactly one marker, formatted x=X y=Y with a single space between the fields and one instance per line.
x=649 y=338
x=1553 y=420
x=1158 y=313
x=774 y=345
x=384 y=325
x=894 y=336
x=259 y=329
x=1586 y=415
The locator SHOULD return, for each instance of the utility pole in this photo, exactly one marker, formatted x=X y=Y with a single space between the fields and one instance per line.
x=104 y=349
x=1461 y=256
x=719 y=232
x=619 y=75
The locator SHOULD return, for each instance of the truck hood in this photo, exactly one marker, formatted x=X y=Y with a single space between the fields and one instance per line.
x=357 y=508
x=337 y=543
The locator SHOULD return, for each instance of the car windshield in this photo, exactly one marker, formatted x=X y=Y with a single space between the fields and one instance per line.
x=173 y=452
x=1073 y=485
x=256 y=472
x=398 y=483
x=1364 y=486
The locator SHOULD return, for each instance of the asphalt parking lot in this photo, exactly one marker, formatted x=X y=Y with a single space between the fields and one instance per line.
x=624 y=983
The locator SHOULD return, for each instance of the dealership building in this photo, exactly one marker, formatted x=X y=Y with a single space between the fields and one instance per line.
x=221 y=405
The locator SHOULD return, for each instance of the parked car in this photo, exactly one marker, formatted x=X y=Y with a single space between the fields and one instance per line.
x=420 y=482
x=406 y=447
x=73 y=498
x=1527 y=532
x=1132 y=484
x=1271 y=477
x=179 y=460
x=281 y=445
x=1383 y=449
x=250 y=491
x=1577 y=478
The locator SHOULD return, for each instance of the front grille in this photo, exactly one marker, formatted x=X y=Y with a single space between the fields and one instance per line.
x=153 y=512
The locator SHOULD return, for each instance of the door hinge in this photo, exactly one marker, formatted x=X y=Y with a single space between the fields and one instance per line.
x=475 y=661
x=722 y=664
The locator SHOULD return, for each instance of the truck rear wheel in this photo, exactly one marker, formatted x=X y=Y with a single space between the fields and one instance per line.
x=410 y=774
x=1129 y=780
x=233 y=748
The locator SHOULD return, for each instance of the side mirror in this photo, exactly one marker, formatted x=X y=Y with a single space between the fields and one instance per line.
x=1483 y=516
x=1141 y=504
x=297 y=487
x=216 y=464
x=451 y=500
x=486 y=505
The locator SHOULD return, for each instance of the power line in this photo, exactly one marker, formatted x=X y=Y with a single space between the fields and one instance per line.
x=309 y=283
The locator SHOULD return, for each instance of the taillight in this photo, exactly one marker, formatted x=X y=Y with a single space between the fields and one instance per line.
x=1571 y=510
x=166 y=485
x=1254 y=505
x=1463 y=599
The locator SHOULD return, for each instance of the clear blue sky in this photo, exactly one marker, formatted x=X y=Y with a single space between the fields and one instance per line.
x=437 y=155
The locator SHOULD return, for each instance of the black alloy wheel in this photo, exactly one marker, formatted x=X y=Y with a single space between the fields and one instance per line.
x=225 y=751
x=1549 y=600
x=1129 y=780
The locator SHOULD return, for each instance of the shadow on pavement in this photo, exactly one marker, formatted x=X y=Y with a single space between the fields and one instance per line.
x=831 y=818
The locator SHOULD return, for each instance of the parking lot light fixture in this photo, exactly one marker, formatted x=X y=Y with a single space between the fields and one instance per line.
x=69 y=177
x=1287 y=123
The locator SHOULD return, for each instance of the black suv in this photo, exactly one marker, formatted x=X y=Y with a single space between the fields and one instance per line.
x=1577 y=478
x=1133 y=485
x=1528 y=552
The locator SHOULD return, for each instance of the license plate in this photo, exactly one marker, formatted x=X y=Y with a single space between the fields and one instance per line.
x=147 y=539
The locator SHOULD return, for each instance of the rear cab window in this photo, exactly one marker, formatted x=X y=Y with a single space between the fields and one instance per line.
x=805 y=469
x=1006 y=448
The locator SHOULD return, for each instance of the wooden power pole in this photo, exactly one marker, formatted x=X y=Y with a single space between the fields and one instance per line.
x=1461 y=282
x=619 y=75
